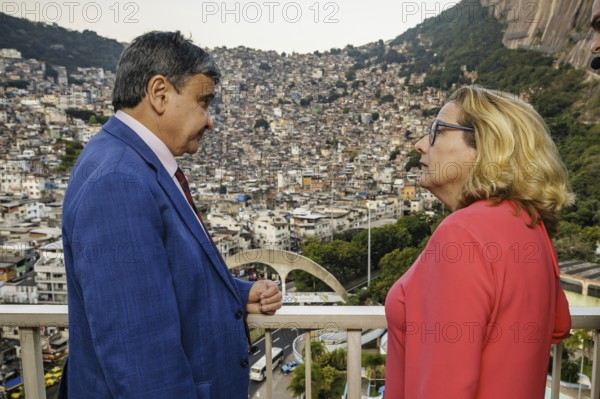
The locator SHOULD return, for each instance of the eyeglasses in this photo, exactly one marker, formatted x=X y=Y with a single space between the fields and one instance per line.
x=434 y=129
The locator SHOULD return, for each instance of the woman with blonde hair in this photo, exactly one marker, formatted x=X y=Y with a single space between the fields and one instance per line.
x=475 y=315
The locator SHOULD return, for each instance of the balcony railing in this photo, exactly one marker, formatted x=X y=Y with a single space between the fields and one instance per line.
x=354 y=319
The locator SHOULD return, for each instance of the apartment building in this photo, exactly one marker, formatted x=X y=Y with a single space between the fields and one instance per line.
x=51 y=276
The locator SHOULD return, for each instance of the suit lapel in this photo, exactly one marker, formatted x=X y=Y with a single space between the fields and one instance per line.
x=121 y=131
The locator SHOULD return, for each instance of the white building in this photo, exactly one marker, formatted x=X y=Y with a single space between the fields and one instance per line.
x=12 y=211
x=340 y=219
x=416 y=205
x=32 y=187
x=51 y=276
x=271 y=232
x=62 y=75
x=306 y=225
x=11 y=176
x=230 y=242
x=35 y=210
x=428 y=198
x=10 y=53
x=85 y=135
x=217 y=220
x=54 y=115
x=20 y=290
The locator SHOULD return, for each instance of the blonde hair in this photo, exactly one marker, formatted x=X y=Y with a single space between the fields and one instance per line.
x=516 y=157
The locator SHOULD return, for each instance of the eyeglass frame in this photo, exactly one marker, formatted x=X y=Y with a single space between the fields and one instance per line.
x=436 y=129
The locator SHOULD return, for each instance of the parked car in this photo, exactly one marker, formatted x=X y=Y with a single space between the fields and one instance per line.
x=55 y=372
x=17 y=393
x=289 y=366
x=51 y=381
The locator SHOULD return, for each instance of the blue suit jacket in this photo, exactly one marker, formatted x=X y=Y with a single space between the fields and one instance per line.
x=153 y=310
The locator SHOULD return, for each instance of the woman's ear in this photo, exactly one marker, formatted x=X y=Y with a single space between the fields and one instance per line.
x=158 y=92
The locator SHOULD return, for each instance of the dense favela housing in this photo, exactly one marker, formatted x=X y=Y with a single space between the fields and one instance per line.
x=300 y=148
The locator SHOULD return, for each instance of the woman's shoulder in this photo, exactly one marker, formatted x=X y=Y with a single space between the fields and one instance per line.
x=488 y=208
x=486 y=214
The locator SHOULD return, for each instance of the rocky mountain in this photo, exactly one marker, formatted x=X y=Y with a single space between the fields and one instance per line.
x=558 y=27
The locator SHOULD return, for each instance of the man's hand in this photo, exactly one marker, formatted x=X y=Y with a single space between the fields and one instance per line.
x=264 y=297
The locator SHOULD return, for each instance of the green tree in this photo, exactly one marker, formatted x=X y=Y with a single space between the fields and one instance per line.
x=320 y=359
x=265 y=67
x=340 y=258
x=72 y=151
x=318 y=352
x=261 y=123
x=374 y=364
x=297 y=383
x=388 y=98
x=329 y=375
x=341 y=85
x=339 y=359
x=419 y=225
x=59 y=46
x=576 y=242
x=383 y=240
x=393 y=266
x=591 y=234
x=413 y=160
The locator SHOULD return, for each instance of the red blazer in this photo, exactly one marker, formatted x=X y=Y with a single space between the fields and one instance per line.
x=475 y=315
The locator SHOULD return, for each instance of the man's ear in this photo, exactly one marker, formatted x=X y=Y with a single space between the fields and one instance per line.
x=158 y=92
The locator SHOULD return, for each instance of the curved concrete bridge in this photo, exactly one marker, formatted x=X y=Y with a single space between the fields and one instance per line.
x=284 y=262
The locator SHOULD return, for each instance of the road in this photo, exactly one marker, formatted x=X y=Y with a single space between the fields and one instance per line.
x=282 y=338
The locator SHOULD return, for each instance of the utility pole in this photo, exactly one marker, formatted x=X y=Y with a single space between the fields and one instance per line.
x=368 y=244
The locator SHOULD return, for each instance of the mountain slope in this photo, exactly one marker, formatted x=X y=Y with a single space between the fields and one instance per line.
x=460 y=48
x=58 y=46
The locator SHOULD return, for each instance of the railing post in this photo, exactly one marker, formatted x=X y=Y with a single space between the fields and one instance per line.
x=307 y=366
x=31 y=356
x=354 y=364
x=556 y=365
x=596 y=366
x=269 y=354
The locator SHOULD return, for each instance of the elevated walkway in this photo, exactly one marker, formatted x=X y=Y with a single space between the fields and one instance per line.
x=581 y=277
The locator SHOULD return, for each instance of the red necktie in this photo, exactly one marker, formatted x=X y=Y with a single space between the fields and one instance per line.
x=188 y=195
x=186 y=190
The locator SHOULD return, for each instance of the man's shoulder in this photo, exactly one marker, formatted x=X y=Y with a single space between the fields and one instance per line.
x=108 y=163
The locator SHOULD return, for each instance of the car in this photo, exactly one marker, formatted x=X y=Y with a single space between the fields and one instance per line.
x=51 y=381
x=289 y=366
x=55 y=372
x=17 y=393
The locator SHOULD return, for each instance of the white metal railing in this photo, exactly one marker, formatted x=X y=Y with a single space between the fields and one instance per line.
x=29 y=319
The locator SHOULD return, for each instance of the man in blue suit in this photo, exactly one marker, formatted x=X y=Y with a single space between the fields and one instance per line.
x=153 y=310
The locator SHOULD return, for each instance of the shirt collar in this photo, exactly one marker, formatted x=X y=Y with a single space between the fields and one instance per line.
x=157 y=146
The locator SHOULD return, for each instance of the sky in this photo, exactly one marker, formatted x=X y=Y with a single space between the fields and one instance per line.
x=284 y=26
